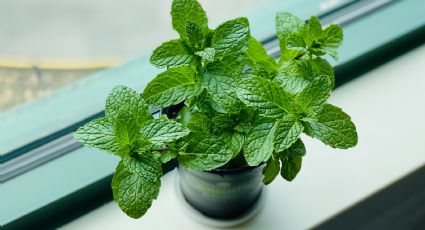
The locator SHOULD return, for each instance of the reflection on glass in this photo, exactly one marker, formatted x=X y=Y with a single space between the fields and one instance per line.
x=19 y=85
x=73 y=32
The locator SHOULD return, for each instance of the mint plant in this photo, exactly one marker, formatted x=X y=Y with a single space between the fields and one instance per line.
x=238 y=106
x=129 y=131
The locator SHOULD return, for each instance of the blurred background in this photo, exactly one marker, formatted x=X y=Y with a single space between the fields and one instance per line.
x=53 y=43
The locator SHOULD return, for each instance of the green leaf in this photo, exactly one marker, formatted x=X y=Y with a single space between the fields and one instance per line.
x=195 y=121
x=332 y=40
x=230 y=37
x=315 y=31
x=297 y=149
x=127 y=130
x=231 y=65
x=296 y=42
x=271 y=170
x=333 y=127
x=123 y=99
x=204 y=152
x=136 y=184
x=291 y=160
x=287 y=132
x=99 y=134
x=168 y=155
x=207 y=54
x=223 y=121
x=196 y=38
x=222 y=90
x=314 y=95
x=266 y=96
x=258 y=145
x=183 y=11
x=172 y=54
x=234 y=140
x=161 y=131
x=295 y=75
x=320 y=66
x=291 y=166
x=260 y=62
x=286 y=24
x=171 y=87
x=256 y=52
x=245 y=119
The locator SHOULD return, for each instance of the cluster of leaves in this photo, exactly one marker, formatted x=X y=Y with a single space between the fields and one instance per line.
x=294 y=100
x=204 y=68
x=202 y=64
x=241 y=108
x=129 y=131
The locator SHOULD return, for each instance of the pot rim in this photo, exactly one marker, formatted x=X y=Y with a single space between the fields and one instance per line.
x=227 y=171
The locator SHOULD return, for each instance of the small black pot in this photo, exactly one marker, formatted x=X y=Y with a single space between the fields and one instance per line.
x=222 y=193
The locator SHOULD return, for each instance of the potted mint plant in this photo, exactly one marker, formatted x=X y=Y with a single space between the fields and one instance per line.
x=237 y=113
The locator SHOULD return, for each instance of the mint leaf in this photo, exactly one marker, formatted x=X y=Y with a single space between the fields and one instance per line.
x=271 y=170
x=230 y=37
x=223 y=121
x=256 y=52
x=287 y=24
x=291 y=161
x=333 y=40
x=297 y=149
x=204 y=152
x=296 y=42
x=168 y=155
x=245 y=119
x=231 y=65
x=118 y=132
x=136 y=184
x=258 y=145
x=161 y=131
x=172 y=54
x=196 y=38
x=260 y=62
x=314 y=95
x=320 y=66
x=234 y=141
x=314 y=29
x=295 y=75
x=171 y=87
x=333 y=127
x=195 y=121
x=288 y=130
x=266 y=96
x=123 y=99
x=207 y=54
x=127 y=131
x=98 y=133
x=222 y=90
x=183 y=11
x=321 y=41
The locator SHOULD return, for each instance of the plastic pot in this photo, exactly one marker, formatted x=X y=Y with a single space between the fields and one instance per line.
x=225 y=194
